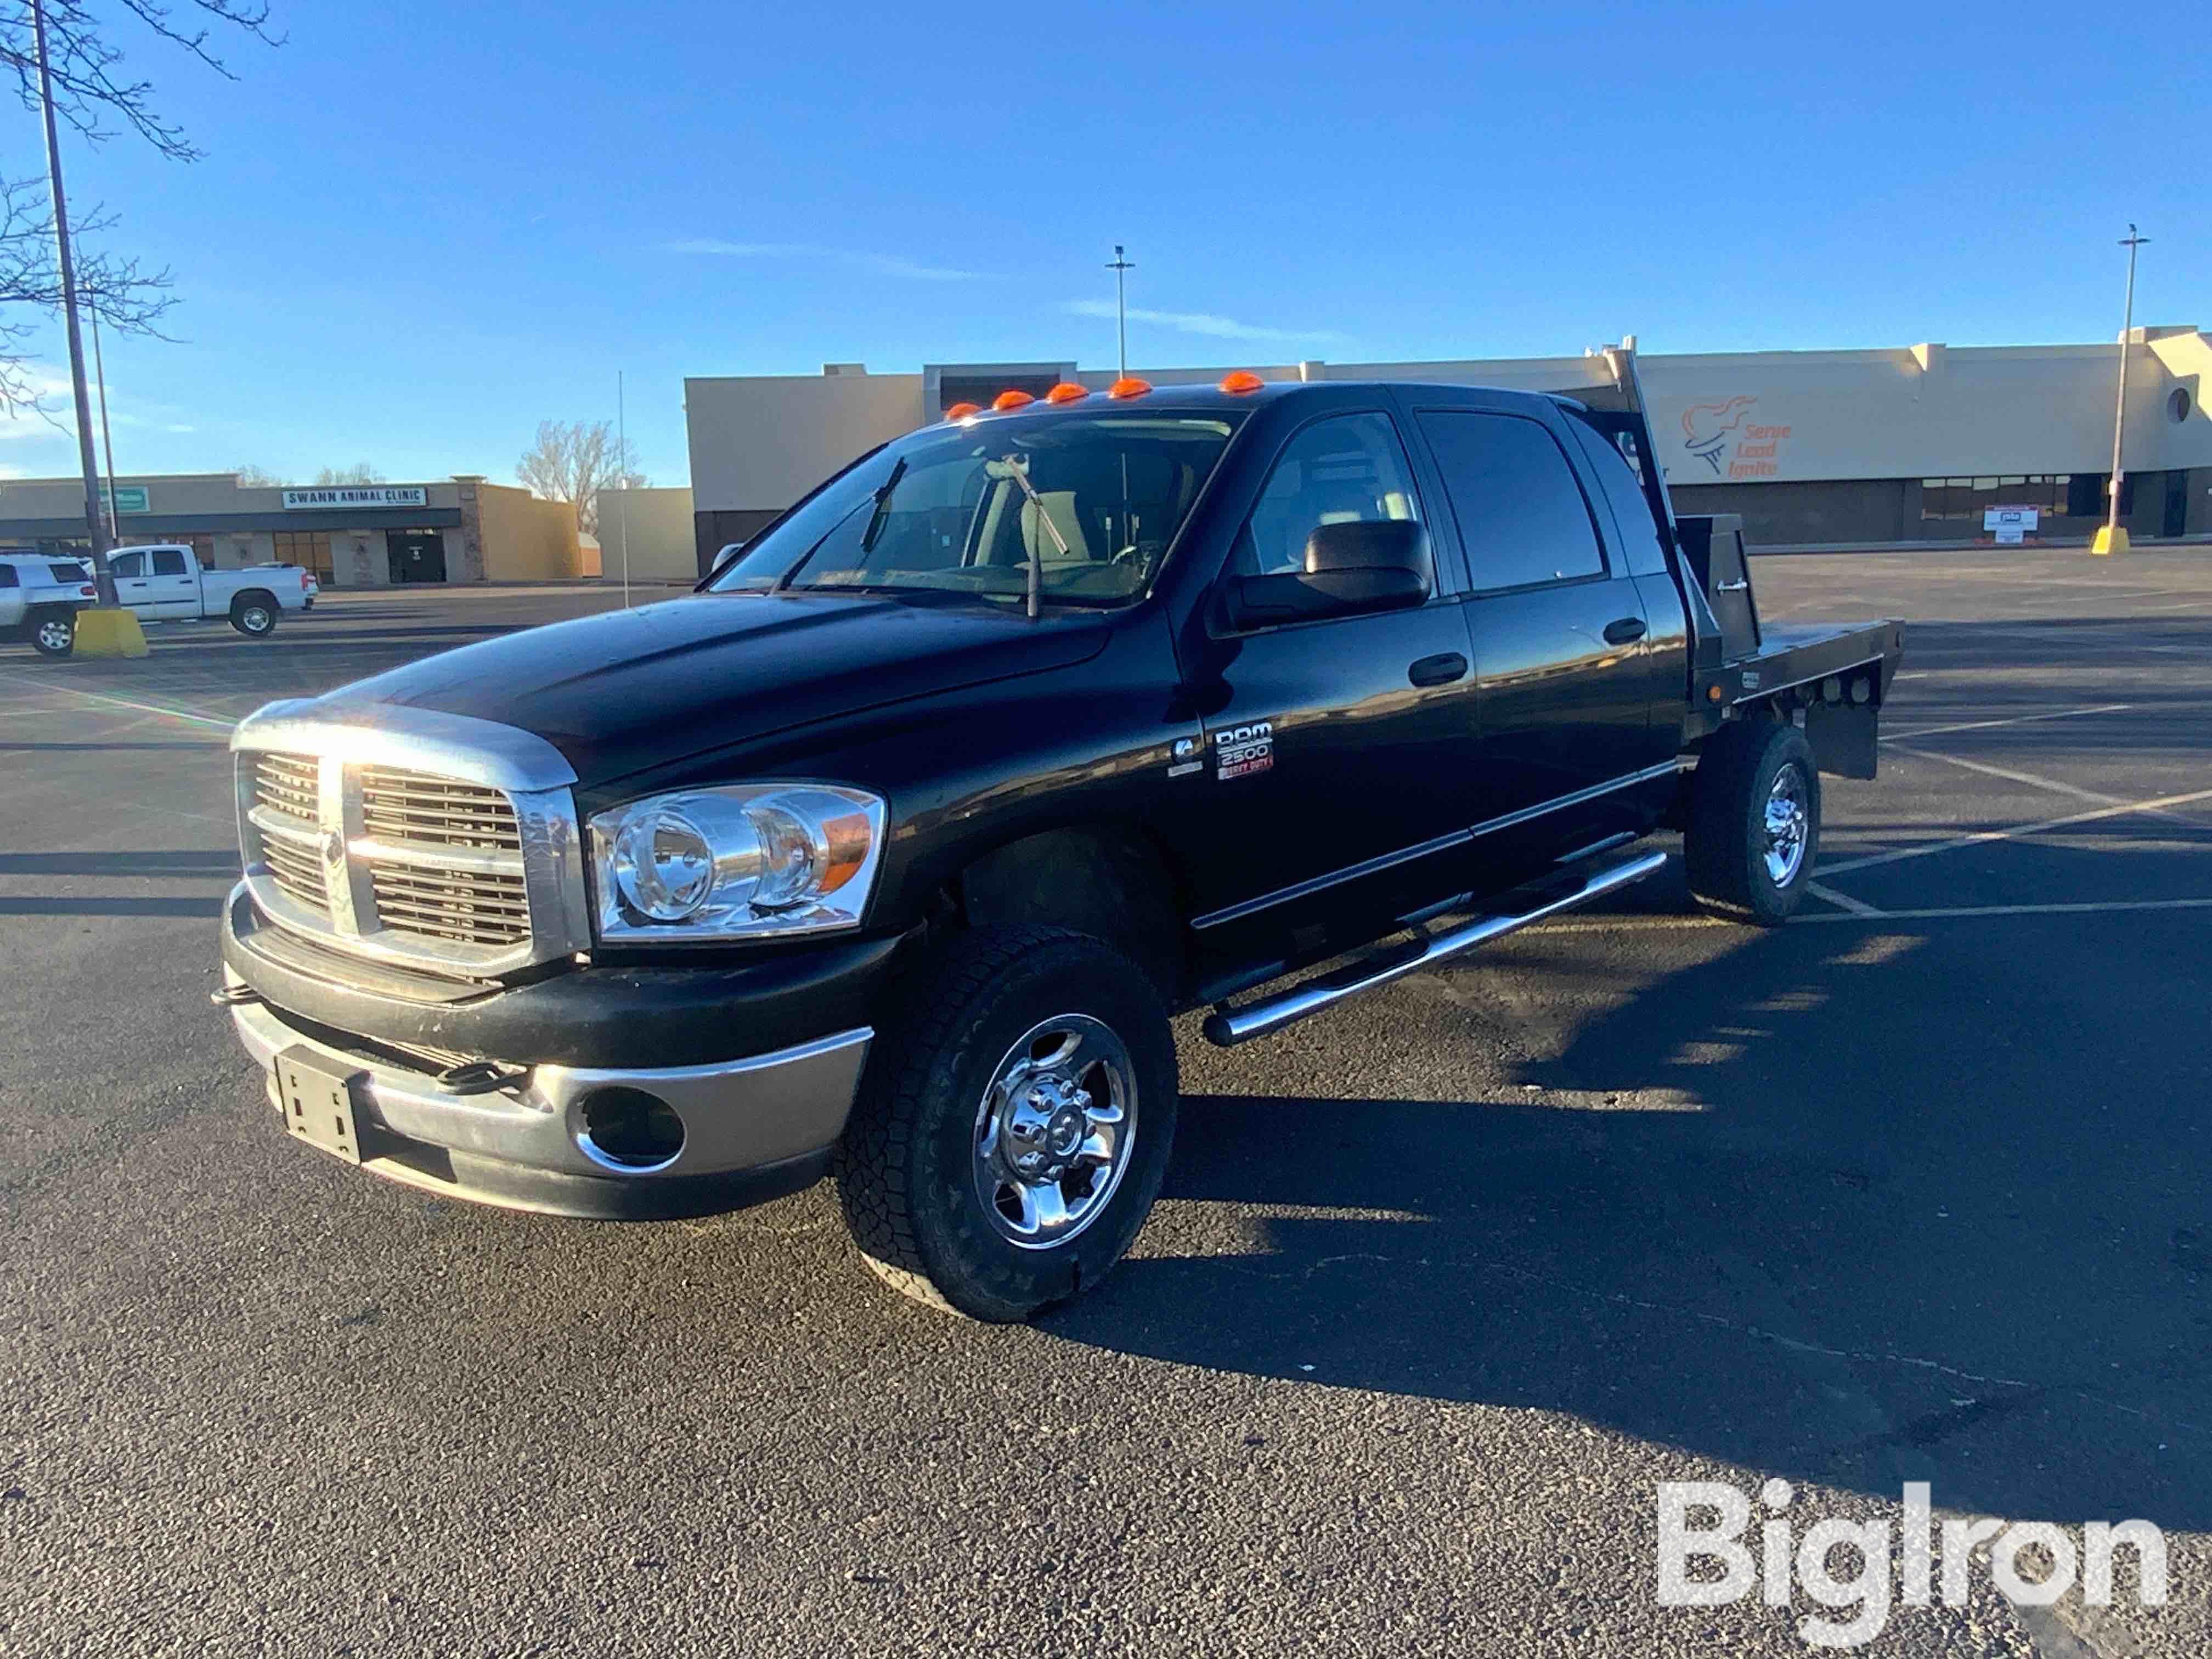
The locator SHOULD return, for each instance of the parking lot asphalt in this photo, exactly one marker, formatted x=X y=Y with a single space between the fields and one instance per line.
x=1442 y=1282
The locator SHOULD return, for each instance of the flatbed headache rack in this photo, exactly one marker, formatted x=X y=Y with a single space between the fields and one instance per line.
x=1837 y=672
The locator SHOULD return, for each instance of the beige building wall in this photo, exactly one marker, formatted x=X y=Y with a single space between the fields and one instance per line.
x=758 y=441
x=1719 y=419
x=523 y=538
x=660 y=539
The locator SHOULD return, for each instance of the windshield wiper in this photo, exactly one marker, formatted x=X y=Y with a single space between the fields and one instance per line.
x=881 y=516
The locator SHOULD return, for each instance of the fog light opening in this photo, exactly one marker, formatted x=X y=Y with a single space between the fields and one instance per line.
x=629 y=1130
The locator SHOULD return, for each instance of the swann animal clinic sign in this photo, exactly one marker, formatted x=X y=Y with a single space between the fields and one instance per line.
x=338 y=496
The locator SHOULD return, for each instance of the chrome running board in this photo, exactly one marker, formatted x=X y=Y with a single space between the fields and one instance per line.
x=1226 y=1027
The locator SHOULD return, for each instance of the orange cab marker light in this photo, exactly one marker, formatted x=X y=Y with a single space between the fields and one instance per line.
x=1066 y=392
x=1128 y=387
x=1242 y=381
x=962 y=412
x=1010 y=399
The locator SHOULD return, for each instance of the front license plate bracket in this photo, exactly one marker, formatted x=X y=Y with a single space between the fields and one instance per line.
x=319 y=1102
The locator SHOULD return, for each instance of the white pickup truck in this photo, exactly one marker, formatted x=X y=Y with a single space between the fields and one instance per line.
x=169 y=584
x=40 y=598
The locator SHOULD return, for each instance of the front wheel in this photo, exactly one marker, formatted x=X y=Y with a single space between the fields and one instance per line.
x=54 y=635
x=1014 y=1125
x=1754 y=826
x=253 y=615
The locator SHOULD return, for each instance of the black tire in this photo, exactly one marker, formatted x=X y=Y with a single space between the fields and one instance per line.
x=1726 y=845
x=908 y=1167
x=52 y=634
x=254 y=614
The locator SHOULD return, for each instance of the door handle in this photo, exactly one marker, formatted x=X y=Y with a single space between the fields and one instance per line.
x=1440 y=669
x=1732 y=587
x=1626 y=631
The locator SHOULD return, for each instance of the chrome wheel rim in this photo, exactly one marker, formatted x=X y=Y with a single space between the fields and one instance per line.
x=1054 y=1130
x=54 y=636
x=255 y=618
x=1788 y=820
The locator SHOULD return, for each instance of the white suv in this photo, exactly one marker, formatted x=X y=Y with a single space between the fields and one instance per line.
x=40 y=598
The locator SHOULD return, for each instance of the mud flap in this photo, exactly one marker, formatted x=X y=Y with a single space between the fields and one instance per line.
x=1844 y=737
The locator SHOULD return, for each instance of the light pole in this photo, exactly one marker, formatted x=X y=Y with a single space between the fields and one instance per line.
x=68 y=267
x=107 y=438
x=622 y=469
x=1120 y=267
x=2111 y=538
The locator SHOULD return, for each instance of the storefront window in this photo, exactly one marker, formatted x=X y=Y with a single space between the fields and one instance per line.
x=1967 y=499
x=311 y=548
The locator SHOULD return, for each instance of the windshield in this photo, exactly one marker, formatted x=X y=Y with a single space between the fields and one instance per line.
x=1095 y=499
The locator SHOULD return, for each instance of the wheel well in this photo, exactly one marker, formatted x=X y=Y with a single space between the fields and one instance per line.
x=245 y=593
x=1113 y=882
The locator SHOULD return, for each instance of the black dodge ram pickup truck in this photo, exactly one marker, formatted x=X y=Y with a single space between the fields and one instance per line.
x=892 y=851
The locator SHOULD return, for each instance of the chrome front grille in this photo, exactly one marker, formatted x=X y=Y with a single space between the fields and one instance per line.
x=475 y=907
x=289 y=784
x=410 y=807
x=298 y=874
x=470 y=874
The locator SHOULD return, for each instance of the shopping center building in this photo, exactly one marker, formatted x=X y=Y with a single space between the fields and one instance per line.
x=460 y=529
x=1892 y=446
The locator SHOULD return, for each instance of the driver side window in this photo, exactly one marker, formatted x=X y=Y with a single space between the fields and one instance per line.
x=127 y=564
x=1348 y=469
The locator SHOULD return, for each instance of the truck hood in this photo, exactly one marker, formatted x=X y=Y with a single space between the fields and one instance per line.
x=629 y=689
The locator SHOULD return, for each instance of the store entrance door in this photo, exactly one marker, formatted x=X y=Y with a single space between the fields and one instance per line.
x=418 y=555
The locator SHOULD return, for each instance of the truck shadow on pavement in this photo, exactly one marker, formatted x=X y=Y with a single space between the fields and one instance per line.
x=1872 y=1205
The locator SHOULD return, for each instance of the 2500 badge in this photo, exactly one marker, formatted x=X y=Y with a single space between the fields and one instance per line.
x=1243 y=751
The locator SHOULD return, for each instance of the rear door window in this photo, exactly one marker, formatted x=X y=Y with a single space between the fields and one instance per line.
x=1521 y=513
x=168 y=561
x=8 y=576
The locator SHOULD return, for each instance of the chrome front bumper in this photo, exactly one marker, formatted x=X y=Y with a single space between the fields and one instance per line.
x=753 y=1128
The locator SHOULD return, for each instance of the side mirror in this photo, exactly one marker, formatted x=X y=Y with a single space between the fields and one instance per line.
x=1352 y=569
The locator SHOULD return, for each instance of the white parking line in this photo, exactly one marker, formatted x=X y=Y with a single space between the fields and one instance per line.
x=121 y=703
x=2019 y=910
x=1911 y=732
x=1842 y=900
x=2012 y=833
x=2033 y=779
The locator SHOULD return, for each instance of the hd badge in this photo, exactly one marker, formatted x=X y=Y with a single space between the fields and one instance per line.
x=1243 y=751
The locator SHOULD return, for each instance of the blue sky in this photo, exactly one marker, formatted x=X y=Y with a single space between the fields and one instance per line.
x=421 y=228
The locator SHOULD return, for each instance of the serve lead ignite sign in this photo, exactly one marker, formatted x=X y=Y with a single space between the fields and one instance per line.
x=358 y=495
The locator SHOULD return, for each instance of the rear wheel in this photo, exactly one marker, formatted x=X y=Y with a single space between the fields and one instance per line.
x=1014 y=1125
x=54 y=635
x=1754 y=824
x=253 y=615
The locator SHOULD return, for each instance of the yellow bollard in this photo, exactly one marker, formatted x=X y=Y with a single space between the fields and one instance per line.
x=2111 y=538
x=106 y=632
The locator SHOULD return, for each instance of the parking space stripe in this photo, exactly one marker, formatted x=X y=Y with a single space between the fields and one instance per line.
x=2034 y=779
x=1842 y=900
x=1912 y=732
x=123 y=702
x=2081 y=909
x=2012 y=833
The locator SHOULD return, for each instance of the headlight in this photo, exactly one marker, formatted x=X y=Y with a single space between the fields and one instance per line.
x=751 y=861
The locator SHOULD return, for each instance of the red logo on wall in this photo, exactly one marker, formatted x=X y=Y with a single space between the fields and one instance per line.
x=1725 y=438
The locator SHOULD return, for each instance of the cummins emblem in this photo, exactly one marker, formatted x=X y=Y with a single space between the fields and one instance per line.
x=1243 y=751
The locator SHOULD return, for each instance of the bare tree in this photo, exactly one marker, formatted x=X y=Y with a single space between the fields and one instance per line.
x=574 y=461
x=93 y=88
x=94 y=93
x=129 y=298
x=251 y=477
x=361 y=473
